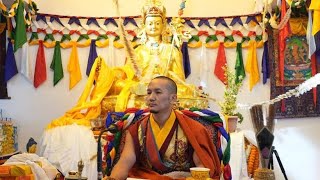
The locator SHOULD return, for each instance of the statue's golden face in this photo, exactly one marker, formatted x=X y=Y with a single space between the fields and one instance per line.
x=154 y=25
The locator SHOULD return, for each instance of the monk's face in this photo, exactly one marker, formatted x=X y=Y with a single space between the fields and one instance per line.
x=159 y=98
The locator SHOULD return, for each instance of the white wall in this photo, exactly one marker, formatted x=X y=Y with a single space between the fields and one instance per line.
x=32 y=109
x=132 y=7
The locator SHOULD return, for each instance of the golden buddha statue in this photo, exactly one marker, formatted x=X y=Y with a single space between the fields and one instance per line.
x=155 y=56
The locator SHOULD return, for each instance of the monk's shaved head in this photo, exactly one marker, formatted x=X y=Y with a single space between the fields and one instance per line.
x=171 y=86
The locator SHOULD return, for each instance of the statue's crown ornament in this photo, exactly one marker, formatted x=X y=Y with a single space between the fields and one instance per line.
x=153 y=8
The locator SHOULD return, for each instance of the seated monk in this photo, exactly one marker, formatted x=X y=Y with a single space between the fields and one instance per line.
x=155 y=56
x=165 y=143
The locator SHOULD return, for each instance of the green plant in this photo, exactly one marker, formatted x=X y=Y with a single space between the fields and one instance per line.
x=229 y=104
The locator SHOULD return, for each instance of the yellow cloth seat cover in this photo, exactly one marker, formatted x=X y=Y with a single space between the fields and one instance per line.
x=15 y=172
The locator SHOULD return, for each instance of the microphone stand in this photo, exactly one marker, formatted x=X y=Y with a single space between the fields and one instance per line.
x=113 y=128
x=270 y=164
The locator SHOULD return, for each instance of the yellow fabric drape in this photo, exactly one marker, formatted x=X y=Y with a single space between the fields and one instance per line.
x=34 y=42
x=104 y=79
x=259 y=44
x=123 y=97
x=315 y=6
x=161 y=134
x=298 y=26
x=102 y=44
x=3 y=7
x=20 y=170
x=230 y=44
x=74 y=67
x=49 y=44
x=195 y=44
x=118 y=45
x=71 y=43
x=212 y=45
x=46 y=44
x=252 y=64
x=67 y=45
x=12 y=11
x=86 y=43
x=134 y=44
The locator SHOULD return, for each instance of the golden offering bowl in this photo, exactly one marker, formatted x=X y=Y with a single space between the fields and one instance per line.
x=73 y=173
x=200 y=173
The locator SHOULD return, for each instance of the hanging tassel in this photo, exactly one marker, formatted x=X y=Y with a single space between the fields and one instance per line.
x=26 y=67
x=74 y=67
x=227 y=172
x=221 y=62
x=239 y=67
x=20 y=34
x=186 y=60
x=40 y=73
x=265 y=63
x=252 y=64
x=56 y=64
x=10 y=67
x=92 y=56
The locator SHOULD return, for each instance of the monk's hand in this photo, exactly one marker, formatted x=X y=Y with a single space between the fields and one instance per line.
x=178 y=174
x=109 y=178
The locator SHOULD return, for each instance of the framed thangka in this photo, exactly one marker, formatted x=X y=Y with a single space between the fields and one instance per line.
x=297 y=65
x=297 y=69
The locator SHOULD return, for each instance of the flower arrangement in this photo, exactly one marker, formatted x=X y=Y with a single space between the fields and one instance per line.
x=229 y=105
